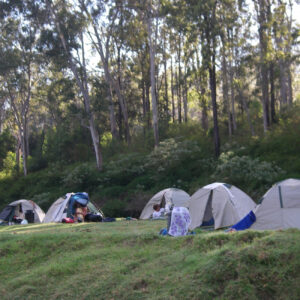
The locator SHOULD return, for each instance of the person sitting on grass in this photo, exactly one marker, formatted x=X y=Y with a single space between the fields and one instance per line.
x=158 y=211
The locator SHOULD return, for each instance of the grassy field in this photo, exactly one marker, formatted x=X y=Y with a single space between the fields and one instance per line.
x=129 y=260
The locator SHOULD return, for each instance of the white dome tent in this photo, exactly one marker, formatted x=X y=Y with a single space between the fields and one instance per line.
x=280 y=207
x=223 y=203
x=20 y=209
x=58 y=210
x=170 y=196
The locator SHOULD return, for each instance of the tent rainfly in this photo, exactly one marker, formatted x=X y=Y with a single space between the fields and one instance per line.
x=280 y=207
x=22 y=209
x=62 y=207
x=220 y=204
x=170 y=196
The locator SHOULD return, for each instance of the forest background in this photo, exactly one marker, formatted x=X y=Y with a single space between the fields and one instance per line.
x=124 y=98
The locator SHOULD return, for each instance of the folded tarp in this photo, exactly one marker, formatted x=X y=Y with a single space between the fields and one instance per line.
x=246 y=222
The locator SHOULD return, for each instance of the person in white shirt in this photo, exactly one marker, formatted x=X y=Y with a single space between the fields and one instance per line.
x=158 y=211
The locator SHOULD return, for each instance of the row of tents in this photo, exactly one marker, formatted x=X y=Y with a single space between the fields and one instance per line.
x=218 y=204
x=59 y=210
x=223 y=205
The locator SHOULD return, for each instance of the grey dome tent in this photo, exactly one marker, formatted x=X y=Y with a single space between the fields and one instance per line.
x=170 y=196
x=22 y=209
x=221 y=203
x=279 y=207
x=59 y=209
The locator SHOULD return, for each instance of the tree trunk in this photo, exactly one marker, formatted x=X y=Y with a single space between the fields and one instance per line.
x=213 y=88
x=112 y=118
x=23 y=148
x=172 y=92
x=225 y=90
x=283 y=86
x=211 y=44
x=1 y=115
x=232 y=96
x=185 y=92
x=201 y=89
x=148 y=86
x=153 y=83
x=290 y=86
x=272 y=93
x=245 y=106
x=179 y=82
x=18 y=145
x=166 y=81
x=263 y=39
x=144 y=103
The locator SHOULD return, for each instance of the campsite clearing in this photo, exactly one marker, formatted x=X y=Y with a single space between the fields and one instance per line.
x=129 y=260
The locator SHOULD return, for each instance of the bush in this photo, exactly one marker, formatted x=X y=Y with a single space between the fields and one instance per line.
x=81 y=177
x=170 y=154
x=44 y=200
x=7 y=142
x=122 y=170
x=9 y=163
x=114 y=208
x=246 y=172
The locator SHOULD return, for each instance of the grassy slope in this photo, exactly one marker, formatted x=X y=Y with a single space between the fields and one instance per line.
x=128 y=260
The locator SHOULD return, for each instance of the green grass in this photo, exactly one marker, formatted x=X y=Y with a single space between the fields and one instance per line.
x=129 y=260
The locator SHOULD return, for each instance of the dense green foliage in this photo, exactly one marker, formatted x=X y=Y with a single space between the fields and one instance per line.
x=184 y=160
x=129 y=260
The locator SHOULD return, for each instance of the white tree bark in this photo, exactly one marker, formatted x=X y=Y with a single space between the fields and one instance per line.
x=152 y=75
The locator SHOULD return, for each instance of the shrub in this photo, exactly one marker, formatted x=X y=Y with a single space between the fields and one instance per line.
x=44 y=200
x=170 y=154
x=81 y=177
x=114 y=208
x=122 y=170
x=245 y=171
x=9 y=163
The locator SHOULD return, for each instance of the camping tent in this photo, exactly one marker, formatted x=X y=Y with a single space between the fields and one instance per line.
x=279 y=207
x=170 y=196
x=220 y=204
x=63 y=205
x=22 y=209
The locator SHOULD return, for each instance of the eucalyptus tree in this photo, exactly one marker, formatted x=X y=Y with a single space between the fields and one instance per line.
x=262 y=10
x=284 y=37
x=204 y=14
x=175 y=18
x=20 y=66
x=102 y=20
x=148 y=11
x=235 y=35
x=65 y=24
x=152 y=13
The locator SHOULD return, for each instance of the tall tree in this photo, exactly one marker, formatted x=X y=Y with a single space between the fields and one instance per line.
x=20 y=65
x=55 y=14
x=261 y=7
x=152 y=13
